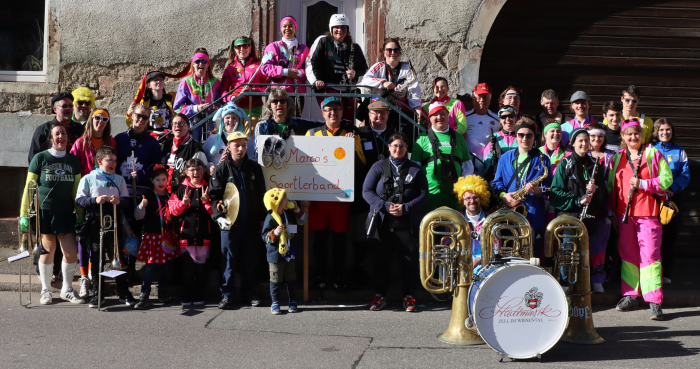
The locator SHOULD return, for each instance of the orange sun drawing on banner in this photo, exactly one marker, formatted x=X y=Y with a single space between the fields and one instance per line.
x=339 y=153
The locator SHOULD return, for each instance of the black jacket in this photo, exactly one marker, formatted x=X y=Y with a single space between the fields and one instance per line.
x=372 y=146
x=40 y=141
x=254 y=182
x=184 y=153
x=331 y=68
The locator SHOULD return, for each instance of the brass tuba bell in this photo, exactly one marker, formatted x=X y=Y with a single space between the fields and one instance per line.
x=572 y=237
x=507 y=233
x=446 y=266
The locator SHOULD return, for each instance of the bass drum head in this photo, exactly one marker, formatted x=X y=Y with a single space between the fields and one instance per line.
x=520 y=311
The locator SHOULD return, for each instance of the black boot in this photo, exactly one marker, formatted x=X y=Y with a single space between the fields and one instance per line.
x=95 y=290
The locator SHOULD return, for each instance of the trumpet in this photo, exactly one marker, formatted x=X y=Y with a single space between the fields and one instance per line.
x=572 y=237
x=446 y=266
x=518 y=244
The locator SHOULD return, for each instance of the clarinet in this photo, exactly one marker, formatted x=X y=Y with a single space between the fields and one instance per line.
x=591 y=181
x=632 y=190
x=293 y=63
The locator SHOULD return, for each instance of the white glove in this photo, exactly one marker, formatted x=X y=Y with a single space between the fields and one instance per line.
x=224 y=224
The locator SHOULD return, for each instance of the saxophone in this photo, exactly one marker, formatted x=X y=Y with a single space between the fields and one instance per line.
x=520 y=194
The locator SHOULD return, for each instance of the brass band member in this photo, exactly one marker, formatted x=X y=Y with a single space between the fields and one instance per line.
x=516 y=170
x=640 y=237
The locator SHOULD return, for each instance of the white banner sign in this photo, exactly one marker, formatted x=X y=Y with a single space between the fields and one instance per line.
x=315 y=168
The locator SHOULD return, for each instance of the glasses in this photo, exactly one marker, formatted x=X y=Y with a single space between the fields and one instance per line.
x=512 y=97
x=335 y=110
x=83 y=103
x=394 y=51
x=243 y=46
x=201 y=61
x=526 y=135
x=398 y=147
x=142 y=117
x=179 y=123
x=65 y=106
x=100 y=118
x=507 y=116
x=195 y=170
x=633 y=101
x=475 y=198
x=599 y=137
x=281 y=101
x=109 y=161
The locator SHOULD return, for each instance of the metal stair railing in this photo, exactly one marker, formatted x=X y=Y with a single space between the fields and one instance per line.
x=205 y=115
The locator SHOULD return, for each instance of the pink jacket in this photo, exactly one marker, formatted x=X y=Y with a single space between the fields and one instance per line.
x=237 y=74
x=87 y=156
x=281 y=54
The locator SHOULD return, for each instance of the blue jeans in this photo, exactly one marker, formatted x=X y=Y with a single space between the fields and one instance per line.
x=234 y=244
x=163 y=276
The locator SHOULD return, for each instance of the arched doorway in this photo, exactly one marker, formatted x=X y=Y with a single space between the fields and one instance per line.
x=600 y=47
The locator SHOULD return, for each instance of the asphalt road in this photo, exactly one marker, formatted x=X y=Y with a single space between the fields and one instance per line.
x=320 y=336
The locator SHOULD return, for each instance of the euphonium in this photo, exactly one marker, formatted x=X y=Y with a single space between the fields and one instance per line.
x=572 y=237
x=518 y=243
x=446 y=266
x=520 y=194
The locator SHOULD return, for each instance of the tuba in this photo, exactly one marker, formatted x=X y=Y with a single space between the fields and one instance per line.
x=516 y=243
x=572 y=237
x=446 y=266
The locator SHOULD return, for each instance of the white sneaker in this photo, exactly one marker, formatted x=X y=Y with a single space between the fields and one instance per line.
x=84 y=287
x=71 y=296
x=667 y=280
x=598 y=288
x=46 y=297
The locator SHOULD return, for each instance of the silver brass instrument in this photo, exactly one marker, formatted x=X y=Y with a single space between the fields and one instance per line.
x=572 y=237
x=20 y=235
x=107 y=222
x=34 y=211
x=446 y=266
x=516 y=241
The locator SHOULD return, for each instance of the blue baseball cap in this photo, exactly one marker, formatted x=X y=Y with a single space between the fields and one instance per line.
x=329 y=100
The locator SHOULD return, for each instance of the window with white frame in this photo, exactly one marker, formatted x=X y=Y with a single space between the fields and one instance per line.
x=23 y=41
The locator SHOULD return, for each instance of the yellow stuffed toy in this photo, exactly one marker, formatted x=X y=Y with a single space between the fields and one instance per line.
x=272 y=200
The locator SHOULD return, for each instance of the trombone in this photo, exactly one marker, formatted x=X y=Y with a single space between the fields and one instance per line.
x=21 y=250
x=34 y=211
x=107 y=222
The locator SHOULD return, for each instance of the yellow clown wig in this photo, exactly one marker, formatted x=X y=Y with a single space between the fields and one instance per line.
x=84 y=94
x=272 y=200
x=473 y=183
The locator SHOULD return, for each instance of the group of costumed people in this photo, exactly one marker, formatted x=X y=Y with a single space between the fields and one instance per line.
x=166 y=178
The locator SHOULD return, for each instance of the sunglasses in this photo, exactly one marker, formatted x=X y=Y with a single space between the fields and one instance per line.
x=100 y=118
x=526 y=135
x=180 y=123
x=631 y=120
x=395 y=51
x=633 y=101
x=201 y=61
x=242 y=46
x=398 y=147
x=507 y=116
x=141 y=116
x=281 y=101
x=83 y=103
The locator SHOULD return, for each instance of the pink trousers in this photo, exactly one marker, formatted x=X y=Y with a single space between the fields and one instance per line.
x=640 y=251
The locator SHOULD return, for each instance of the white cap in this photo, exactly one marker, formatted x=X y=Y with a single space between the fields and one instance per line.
x=338 y=20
